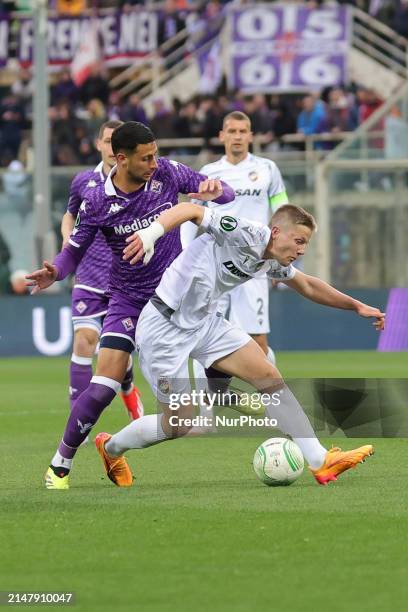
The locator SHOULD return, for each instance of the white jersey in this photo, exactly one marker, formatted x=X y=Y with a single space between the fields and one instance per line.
x=227 y=255
x=258 y=186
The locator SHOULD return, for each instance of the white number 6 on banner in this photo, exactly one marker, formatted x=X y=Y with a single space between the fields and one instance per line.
x=319 y=71
x=255 y=71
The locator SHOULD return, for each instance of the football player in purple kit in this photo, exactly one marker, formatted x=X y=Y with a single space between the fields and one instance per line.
x=136 y=191
x=89 y=298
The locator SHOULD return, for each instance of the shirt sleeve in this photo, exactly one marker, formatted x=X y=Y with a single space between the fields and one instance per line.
x=234 y=231
x=282 y=273
x=276 y=192
x=189 y=181
x=82 y=236
x=75 y=199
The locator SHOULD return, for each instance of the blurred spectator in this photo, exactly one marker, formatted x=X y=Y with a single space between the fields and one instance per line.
x=18 y=282
x=16 y=215
x=171 y=21
x=162 y=122
x=23 y=88
x=70 y=7
x=282 y=118
x=129 y=4
x=313 y=113
x=133 y=110
x=368 y=103
x=64 y=135
x=95 y=86
x=187 y=124
x=4 y=268
x=340 y=116
x=212 y=115
x=12 y=123
x=95 y=116
x=17 y=189
x=258 y=112
x=115 y=106
x=64 y=88
x=400 y=23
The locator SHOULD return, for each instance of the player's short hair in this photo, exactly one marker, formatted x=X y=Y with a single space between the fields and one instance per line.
x=110 y=125
x=238 y=116
x=129 y=135
x=294 y=214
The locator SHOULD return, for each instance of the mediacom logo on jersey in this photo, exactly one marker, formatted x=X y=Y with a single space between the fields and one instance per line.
x=138 y=224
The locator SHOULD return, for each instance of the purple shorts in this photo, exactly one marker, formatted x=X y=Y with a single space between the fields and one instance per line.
x=119 y=325
x=88 y=308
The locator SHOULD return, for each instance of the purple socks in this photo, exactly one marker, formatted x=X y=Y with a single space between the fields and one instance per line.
x=86 y=412
x=79 y=377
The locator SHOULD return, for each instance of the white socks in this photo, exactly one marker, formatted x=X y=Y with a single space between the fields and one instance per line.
x=59 y=461
x=292 y=420
x=270 y=355
x=141 y=433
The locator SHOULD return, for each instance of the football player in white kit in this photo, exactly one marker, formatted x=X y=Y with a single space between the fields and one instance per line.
x=259 y=191
x=182 y=320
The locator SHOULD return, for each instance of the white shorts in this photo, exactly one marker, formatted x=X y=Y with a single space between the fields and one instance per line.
x=164 y=348
x=247 y=306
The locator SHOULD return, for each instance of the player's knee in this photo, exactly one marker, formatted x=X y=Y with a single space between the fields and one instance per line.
x=85 y=341
x=261 y=341
x=267 y=376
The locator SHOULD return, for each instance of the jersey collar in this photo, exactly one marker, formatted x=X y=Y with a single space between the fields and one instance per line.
x=110 y=187
x=246 y=159
x=99 y=170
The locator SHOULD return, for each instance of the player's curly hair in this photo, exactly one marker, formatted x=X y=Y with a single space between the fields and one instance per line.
x=132 y=133
x=294 y=214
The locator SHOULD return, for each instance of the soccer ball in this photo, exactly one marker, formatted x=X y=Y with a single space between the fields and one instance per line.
x=278 y=462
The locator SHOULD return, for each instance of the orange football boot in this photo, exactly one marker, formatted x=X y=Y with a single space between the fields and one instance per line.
x=133 y=403
x=116 y=468
x=337 y=461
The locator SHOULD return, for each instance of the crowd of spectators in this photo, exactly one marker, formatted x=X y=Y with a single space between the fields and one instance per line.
x=76 y=114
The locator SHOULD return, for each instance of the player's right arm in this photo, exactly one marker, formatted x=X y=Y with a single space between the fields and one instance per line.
x=321 y=292
x=67 y=225
x=74 y=203
x=67 y=260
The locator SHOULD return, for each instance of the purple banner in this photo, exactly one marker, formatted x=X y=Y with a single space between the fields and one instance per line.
x=288 y=48
x=395 y=335
x=123 y=36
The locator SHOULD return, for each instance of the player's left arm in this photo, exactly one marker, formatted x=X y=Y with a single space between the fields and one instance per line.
x=277 y=191
x=200 y=187
x=320 y=292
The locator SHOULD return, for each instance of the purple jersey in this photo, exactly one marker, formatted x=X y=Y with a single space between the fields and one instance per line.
x=119 y=215
x=93 y=270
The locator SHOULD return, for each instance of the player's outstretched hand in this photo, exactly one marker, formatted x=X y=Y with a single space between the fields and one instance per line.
x=43 y=278
x=208 y=190
x=134 y=250
x=368 y=311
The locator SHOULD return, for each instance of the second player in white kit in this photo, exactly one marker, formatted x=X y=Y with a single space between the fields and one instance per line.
x=259 y=191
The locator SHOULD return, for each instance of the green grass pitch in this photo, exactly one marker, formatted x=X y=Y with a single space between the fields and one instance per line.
x=198 y=531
